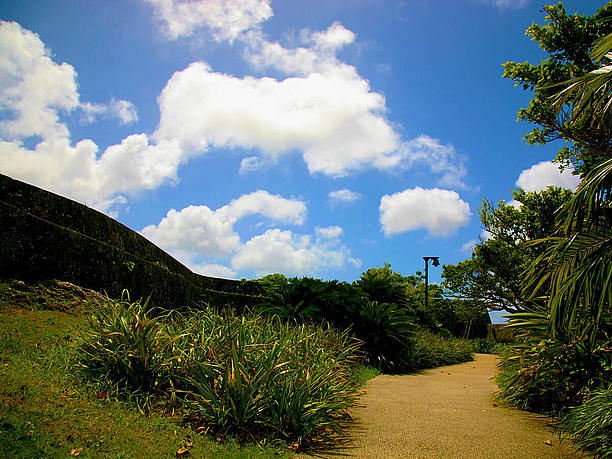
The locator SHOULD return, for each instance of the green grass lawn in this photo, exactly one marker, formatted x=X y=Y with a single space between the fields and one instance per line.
x=48 y=411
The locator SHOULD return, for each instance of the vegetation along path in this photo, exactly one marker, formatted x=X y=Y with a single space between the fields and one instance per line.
x=448 y=412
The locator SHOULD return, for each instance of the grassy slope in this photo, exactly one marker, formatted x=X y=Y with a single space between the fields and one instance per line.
x=46 y=412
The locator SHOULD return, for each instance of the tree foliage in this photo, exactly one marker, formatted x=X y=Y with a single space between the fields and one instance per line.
x=566 y=349
x=492 y=276
x=568 y=40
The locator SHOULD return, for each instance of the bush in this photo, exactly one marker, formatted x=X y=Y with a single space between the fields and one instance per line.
x=488 y=346
x=128 y=346
x=429 y=350
x=590 y=424
x=253 y=376
x=548 y=376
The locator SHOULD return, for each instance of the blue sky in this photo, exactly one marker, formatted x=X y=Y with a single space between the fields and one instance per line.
x=318 y=138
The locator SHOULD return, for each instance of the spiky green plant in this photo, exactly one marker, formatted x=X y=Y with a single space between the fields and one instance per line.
x=128 y=345
x=259 y=376
x=589 y=424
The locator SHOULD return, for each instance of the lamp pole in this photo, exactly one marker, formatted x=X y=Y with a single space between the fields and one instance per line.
x=435 y=262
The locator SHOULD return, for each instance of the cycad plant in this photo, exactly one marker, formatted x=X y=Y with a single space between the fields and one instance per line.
x=385 y=330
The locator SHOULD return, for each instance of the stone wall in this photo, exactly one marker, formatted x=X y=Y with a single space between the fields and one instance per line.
x=45 y=236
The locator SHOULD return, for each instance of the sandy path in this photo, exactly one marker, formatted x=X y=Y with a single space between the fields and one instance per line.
x=447 y=412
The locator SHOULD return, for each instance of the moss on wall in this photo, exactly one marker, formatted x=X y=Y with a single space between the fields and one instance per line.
x=47 y=236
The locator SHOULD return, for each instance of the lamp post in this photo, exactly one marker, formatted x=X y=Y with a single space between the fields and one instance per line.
x=435 y=262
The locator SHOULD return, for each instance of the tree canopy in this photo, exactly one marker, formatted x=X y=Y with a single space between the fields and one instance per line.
x=569 y=41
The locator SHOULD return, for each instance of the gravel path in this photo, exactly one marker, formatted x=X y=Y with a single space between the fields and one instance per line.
x=445 y=413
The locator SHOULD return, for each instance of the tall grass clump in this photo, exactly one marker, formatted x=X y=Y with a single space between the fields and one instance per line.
x=589 y=425
x=251 y=376
x=128 y=345
x=258 y=376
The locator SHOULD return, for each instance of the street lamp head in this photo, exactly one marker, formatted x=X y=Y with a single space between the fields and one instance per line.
x=435 y=260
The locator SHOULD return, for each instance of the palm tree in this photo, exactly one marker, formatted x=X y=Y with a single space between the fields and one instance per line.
x=576 y=265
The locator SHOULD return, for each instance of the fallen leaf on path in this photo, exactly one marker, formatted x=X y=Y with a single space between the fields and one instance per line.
x=548 y=442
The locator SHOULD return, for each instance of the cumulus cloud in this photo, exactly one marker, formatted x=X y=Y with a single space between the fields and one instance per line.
x=194 y=230
x=468 y=246
x=269 y=205
x=336 y=36
x=198 y=230
x=123 y=110
x=335 y=120
x=324 y=110
x=544 y=174
x=292 y=254
x=440 y=159
x=213 y=270
x=33 y=87
x=344 y=196
x=440 y=212
x=329 y=232
x=34 y=91
x=225 y=19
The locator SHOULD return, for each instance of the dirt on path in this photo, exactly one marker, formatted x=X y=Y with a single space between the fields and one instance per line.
x=447 y=412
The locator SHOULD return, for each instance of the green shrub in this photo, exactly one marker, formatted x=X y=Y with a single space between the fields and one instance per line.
x=590 y=424
x=384 y=328
x=548 y=376
x=258 y=375
x=488 y=346
x=253 y=376
x=430 y=350
x=128 y=345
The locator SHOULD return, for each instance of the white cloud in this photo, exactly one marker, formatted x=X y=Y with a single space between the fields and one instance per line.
x=544 y=174
x=319 y=56
x=329 y=232
x=199 y=231
x=336 y=36
x=123 y=110
x=225 y=19
x=263 y=203
x=92 y=112
x=440 y=212
x=278 y=251
x=344 y=196
x=214 y=270
x=34 y=91
x=194 y=230
x=335 y=120
x=328 y=113
x=468 y=247
x=507 y=4
x=441 y=159
x=111 y=207
x=250 y=164
x=33 y=88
